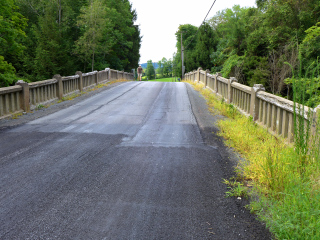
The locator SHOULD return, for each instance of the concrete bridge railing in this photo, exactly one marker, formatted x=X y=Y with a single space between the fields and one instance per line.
x=272 y=112
x=24 y=97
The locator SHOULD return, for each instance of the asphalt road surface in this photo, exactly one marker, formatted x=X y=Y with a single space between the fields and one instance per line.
x=135 y=161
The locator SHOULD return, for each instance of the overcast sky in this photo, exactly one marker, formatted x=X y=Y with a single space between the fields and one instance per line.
x=159 y=21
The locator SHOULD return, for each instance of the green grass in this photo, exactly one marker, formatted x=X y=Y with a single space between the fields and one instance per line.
x=286 y=178
x=16 y=115
x=164 y=80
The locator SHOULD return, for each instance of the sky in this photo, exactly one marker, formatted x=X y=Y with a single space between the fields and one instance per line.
x=159 y=21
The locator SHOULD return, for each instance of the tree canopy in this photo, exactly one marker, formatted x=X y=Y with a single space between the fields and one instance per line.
x=12 y=25
x=255 y=44
x=41 y=38
x=150 y=71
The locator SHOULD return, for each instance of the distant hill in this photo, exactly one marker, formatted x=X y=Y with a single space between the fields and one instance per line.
x=144 y=65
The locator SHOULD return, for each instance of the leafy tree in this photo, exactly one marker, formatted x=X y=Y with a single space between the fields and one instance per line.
x=169 y=68
x=189 y=41
x=134 y=53
x=253 y=44
x=7 y=73
x=150 y=70
x=206 y=43
x=310 y=47
x=160 y=68
x=53 y=38
x=165 y=67
x=52 y=32
x=12 y=25
x=65 y=36
x=125 y=36
x=93 y=22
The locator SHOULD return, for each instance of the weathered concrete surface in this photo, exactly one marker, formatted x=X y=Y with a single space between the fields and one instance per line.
x=137 y=161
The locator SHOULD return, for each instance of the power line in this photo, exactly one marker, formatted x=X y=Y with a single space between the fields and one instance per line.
x=200 y=25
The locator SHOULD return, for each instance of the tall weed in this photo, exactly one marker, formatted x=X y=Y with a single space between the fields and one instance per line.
x=287 y=178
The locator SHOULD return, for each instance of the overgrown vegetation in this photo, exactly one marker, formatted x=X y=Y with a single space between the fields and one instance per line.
x=41 y=38
x=286 y=178
x=162 y=69
x=253 y=44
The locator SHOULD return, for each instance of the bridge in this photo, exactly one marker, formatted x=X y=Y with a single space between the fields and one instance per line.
x=133 y=160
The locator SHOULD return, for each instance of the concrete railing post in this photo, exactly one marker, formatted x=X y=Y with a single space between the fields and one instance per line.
x=96 y=78
x=25 y=96
x=109 y=73
x=198 y=74
x=230 y=97
x=117 y=75
x=80 y=80
x=59 y=85
x=254 y=105
x=216 y=81
x=206 y=77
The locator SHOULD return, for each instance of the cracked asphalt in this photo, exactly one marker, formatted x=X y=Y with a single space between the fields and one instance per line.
x=137 y=160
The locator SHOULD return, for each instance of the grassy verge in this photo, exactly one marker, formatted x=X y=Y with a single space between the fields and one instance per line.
x=286 y=180
x=164 y=80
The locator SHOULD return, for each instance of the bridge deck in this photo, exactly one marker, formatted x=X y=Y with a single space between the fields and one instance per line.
x=136 y=161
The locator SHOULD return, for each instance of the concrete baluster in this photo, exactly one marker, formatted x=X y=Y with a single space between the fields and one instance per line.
x=291 y=128
x=230 y=81
x=206 y=77
x=216 y=81
x=254 y=107
x=25 y=96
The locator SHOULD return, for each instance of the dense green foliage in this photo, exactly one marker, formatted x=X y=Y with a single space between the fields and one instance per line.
x=41 y=38
x=150 y=71
x=12 y=24
x=188 y=41
x=253 y=44
x=164 y=68
x=170 y=79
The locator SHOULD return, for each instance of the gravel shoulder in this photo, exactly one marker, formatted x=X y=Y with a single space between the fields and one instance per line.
x=229 y=157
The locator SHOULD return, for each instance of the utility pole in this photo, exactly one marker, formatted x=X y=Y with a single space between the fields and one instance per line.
x=182 y=59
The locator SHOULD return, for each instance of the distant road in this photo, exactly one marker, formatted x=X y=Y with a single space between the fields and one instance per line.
x=137 y=161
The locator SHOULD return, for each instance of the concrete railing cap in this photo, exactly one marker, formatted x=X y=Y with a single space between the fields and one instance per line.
x=233 y=79
x=258 y=87
x=20 y=81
